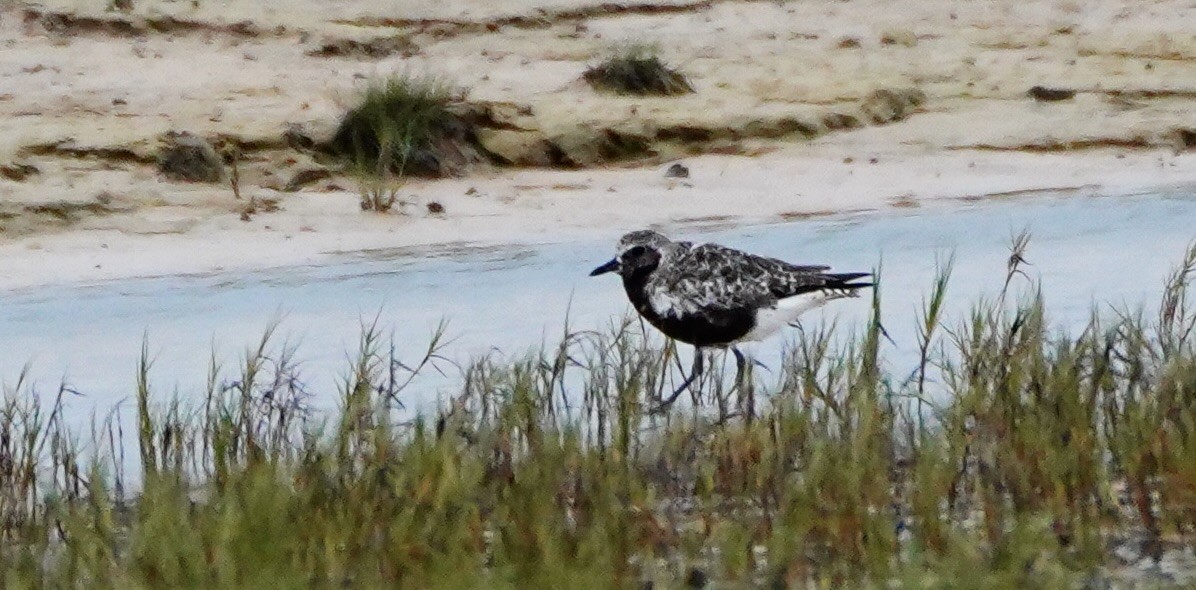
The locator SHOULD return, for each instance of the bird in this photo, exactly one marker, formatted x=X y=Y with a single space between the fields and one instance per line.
x=710 y=296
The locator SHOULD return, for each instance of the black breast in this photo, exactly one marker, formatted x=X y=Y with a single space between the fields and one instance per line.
x=709 y=327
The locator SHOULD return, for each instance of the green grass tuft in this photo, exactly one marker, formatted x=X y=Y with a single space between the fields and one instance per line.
x=394 y=131
x=395 y=123
x=637 y=70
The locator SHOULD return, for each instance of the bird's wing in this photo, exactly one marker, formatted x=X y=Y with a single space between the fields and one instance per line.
x=710 y=277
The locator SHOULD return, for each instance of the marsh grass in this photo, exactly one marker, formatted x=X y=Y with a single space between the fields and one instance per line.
x=637 y=69
x=1020 y=455
x=392 y=132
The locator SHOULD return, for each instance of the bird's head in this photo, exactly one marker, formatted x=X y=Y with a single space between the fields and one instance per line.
x=636 y=252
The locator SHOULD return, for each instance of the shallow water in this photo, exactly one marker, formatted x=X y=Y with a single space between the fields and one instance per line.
x=1085 y=251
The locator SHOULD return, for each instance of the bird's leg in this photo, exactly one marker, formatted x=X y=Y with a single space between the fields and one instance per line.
x=745 y=390
x=694 y=373
x=695 y=389
x=740 y=364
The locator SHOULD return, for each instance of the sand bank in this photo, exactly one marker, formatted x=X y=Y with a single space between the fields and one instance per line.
x=88 y=95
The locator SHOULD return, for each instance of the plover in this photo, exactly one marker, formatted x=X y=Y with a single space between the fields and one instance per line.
x=711 y=296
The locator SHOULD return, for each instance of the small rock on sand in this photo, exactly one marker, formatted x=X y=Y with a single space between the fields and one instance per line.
x=889 y=105
x=677 y=170
x=190 y=158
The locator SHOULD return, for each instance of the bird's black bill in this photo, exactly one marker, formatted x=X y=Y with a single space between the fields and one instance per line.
x=613 y=265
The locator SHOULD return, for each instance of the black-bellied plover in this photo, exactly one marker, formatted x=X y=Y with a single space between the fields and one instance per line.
x=711 y=296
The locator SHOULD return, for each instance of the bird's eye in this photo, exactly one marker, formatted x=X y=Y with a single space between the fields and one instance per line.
x=636 y=251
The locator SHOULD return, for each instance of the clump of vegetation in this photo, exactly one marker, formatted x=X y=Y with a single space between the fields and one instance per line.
x=399 y=128
x=189 y=158
x=1013 y=455
x=637 y=69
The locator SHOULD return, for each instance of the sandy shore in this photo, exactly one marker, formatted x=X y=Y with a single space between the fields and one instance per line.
x=88 y=96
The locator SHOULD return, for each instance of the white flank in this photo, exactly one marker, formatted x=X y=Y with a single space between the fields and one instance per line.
x=667 y=304
x=769 y=320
